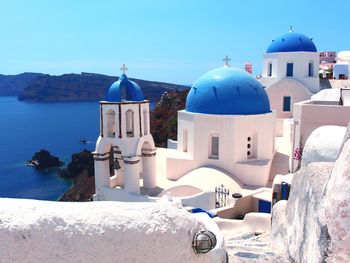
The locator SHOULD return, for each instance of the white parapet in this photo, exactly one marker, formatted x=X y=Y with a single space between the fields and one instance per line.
x=45 y=231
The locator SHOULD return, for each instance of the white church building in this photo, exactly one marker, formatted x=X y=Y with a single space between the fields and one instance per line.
x=227 y=124
x=229 y=133
x=290 y=74
x=225 y=137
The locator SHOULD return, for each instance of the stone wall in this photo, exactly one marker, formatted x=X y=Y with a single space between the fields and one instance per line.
x=314 y=224
x=298 y=225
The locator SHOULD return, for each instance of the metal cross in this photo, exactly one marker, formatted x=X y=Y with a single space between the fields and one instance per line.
x=226 y=59
x=291 y=28
x=124 y=69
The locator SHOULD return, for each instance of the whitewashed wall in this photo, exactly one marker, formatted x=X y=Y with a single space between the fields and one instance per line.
x=43 y=231
x=300 y=69
x=233 y=131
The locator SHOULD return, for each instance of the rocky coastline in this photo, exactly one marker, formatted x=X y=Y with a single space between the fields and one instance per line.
x=81 y=171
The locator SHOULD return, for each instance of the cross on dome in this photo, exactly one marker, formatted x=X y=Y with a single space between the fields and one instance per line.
x=226 y=60
x=291 y=29
x=124 y=69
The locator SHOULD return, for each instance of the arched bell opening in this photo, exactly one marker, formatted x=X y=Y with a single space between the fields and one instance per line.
x=116 y=167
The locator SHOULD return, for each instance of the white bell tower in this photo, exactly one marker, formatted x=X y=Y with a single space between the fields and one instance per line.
x=125 y=150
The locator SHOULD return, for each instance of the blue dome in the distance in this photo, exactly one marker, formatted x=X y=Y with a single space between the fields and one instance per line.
x=292 y=42
x=124 y=90
x=227 y=91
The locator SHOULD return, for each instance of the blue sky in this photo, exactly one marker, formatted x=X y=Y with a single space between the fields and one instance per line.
x=174 y=41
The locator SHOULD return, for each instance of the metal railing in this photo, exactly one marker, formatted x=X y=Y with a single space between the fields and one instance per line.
x=221 y=196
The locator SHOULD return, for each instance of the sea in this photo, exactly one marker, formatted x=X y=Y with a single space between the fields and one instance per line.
x=27 y=127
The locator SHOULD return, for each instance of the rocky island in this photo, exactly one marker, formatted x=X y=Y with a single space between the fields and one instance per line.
x=43 y=160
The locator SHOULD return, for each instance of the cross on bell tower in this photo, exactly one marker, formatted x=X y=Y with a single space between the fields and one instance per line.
x=226 y=60
x=124 y=69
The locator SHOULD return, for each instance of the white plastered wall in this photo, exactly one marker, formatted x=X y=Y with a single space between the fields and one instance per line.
x=300 y=62
x=277 y=91
x=233 y=131
x=309 y=115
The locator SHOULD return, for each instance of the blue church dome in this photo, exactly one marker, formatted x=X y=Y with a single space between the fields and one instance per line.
x=292 y=42
x=124 y=88
x=227 y=91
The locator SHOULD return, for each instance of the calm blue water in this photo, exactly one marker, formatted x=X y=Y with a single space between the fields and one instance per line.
x=28 y=127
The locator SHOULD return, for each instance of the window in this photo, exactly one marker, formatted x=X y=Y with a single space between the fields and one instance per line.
x=269 y=70
x=111 y=123
x=311 y=69
x=214 y=147
x=129 y=123
x=289 y=70
x=286 y=103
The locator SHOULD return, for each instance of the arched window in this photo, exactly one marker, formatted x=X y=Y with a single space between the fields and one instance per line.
x=269 y=70
x=111 y=123
x=129 y=116
x=145 y=122
x=214 y=146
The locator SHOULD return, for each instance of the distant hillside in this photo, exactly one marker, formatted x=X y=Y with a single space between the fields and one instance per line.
x=85 y=87
x=13 y=85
